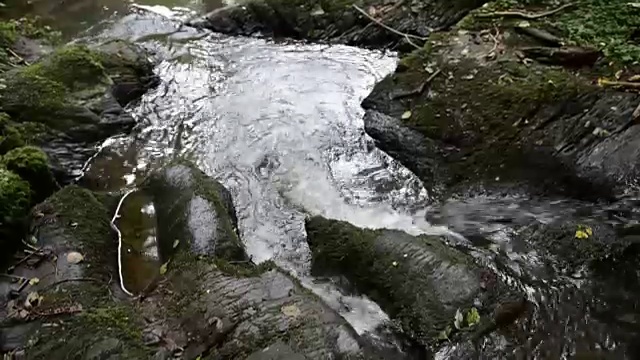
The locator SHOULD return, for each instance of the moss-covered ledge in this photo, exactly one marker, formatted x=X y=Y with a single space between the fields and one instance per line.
x=71 y=290
x=418 y=280
x=495 y=120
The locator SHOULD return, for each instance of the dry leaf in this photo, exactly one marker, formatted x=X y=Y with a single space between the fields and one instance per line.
x=176 y=243
x=291 y=311
x=406 y=115
x=33 y=300
x=34 y=281
x=74 y=257
x=634 y=78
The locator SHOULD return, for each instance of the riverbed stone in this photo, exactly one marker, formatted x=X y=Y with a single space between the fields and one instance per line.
x=76 y=95
x=418 y=280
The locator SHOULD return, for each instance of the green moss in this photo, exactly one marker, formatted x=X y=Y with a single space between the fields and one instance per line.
x=480 y=109
x=341 y=248
x=229 y=246
x=609 y=25
x=32 y=165
x=15 y=197
x=92 y=228
x=75 y=66
x=10 y=137
x=33 y=96
x=8 y=33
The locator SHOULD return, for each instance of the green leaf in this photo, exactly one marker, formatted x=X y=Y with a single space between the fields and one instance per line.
x=473 y=317
x=444 y=334
x=406 y=115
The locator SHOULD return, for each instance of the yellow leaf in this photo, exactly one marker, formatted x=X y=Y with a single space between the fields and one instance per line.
x=34 y=281
x=406 y=115
x=163 y=268
x=581 y=234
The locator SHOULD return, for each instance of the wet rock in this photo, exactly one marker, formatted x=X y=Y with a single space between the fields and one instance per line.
x=196 y=210
x=77 y=294
x=505 y=128
x=277 y=351
x=76 y=96
x=419 y=281
x=220 y=303
x=335 y=22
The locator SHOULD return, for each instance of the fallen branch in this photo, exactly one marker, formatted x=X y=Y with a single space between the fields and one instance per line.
x=518 y=14
x=407 y=37
x=619 y=84
x=20 y=58
x=540 y=35
x=69 y=280
x=418 y=90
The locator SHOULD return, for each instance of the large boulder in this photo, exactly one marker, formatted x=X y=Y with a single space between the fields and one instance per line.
x=336 y=21
x=73 y=98
x=418 y=280
x=216 y=301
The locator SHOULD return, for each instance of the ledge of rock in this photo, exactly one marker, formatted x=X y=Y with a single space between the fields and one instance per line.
x=418 y=280
x=336 y=21
x=73 y=98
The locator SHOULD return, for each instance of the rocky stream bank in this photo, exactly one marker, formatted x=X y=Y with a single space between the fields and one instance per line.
x=527 y=101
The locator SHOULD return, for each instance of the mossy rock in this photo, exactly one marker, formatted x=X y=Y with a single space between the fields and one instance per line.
x=418 y=280
x=499 y=125
x=31 y=163
x=195 y=209
x=15 y=196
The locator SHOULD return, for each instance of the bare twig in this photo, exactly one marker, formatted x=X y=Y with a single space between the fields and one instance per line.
x=70 y=280
x=418 y=90
x=620 y=84
x=114 y=227
x=20 y=58
x=540 y=35
x=407 y=37
x=518 y=14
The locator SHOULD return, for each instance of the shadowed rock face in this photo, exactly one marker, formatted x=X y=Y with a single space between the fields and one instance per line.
x=335 y=21
x=419 y=281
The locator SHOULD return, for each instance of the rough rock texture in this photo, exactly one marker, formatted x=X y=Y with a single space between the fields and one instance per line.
x=231 y=307
x=210 y=302
x=419 y=281
x=196 y=209
x=73 y=98
x=336 y=21
x=502 y=125
x=72 y=292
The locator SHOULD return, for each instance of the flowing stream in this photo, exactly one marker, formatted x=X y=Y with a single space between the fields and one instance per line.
x=280 y=125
